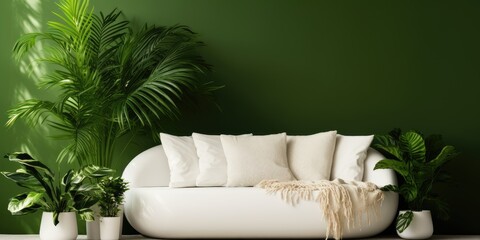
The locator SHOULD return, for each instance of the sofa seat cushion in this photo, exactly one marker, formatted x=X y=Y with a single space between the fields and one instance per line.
x=242 y=212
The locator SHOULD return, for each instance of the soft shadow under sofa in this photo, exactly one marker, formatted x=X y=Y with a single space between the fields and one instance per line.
x=156 y=210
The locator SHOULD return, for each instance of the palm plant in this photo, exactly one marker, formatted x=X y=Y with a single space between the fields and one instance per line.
x=419 y=161
x=76 y=191
x=112 y=79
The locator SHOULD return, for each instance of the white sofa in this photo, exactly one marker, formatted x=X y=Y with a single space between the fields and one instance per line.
x=155 y=210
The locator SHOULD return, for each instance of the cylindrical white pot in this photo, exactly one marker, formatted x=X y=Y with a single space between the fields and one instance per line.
x=66 y=229
x=109 y=228
x=120 y=214
x=421 y=226
x=93 y=227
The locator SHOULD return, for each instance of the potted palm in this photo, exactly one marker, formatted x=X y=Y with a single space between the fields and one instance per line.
x=59 y=200
x=419 y=161
x=111 y=199
x=110 y=79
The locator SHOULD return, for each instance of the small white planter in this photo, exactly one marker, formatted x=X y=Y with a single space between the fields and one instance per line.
x=421 y=226
x=66 y=229
x=93 y=227
x=110 y=228
x=120 y=214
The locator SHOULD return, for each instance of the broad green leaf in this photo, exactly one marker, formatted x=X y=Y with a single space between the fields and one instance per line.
x=421 y=180
x=86 y=214
x=26 y=160
x=67 y=180
x=38 y=170
x=404 y=220
x=24 y=203
x=413 y=145
x=93 y=171
x=84 y=200
x=56 y=215
x=88 y=187
x=387 y=145
x=394 y=151
x=390 y=188
x=420 y=167
x=409 y=191
x=395 y=133
x=384 y=140
x=23 y=179
x=434 y=144
x=447 y=153
x=397 y=166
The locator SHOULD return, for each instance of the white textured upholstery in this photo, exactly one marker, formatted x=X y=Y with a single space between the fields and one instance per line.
x=156 y=210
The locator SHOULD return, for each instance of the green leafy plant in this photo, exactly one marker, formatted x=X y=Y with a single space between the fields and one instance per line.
x=112 y=195
x=75 y=191
x=419 y=162
x=111 y=79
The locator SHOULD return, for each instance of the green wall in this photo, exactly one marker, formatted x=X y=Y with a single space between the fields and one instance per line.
x=299 y=66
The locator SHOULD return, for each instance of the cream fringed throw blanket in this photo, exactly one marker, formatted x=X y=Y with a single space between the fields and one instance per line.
x=341 y=201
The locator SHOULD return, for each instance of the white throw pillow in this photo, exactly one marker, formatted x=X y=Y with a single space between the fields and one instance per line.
x=310 y=157
x=349 y=157
x=182 y=160
x=251 y=159
x=211 y=160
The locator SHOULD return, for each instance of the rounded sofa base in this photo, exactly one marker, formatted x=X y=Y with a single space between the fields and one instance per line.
x=155 y=210
x=246 y=212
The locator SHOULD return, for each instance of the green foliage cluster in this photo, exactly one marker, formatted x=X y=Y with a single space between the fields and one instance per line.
x=112 y=196
x=419 y=161
x=112 y=79
x=75 y=191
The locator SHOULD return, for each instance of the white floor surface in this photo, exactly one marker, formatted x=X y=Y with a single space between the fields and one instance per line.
x=138 y=237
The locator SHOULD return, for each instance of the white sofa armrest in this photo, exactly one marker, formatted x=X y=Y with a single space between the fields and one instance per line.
x=148 y=169
x=380 y=177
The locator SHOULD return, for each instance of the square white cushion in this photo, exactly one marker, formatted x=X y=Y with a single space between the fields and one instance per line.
x=310 y=157
x=349 y=157
x=182 y=160
x=251 y=159
x=211 y=160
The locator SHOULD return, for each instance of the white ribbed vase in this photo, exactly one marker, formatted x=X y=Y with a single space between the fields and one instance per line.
x=66 y=229
x=421 y=226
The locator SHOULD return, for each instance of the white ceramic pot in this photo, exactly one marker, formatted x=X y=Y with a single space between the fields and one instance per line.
x=109 y=228
x=120 y=214
x=421 y=226
x=93 y=227
x=66 y=229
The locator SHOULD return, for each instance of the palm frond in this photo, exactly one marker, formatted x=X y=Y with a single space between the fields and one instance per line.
x=107 y=33
x=33 y=111
x=111 y=79
x=24 y=44
x=80 y=147
x=167 y=56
